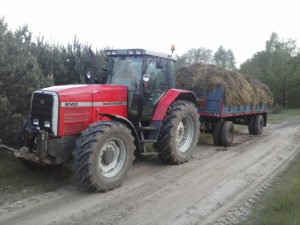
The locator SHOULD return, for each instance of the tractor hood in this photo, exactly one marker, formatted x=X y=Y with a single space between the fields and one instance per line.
x=74 y=107
x=75 y=89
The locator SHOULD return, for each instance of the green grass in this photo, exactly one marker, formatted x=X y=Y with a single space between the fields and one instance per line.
x=281 y=205
x=18 y=181
x=280 y=115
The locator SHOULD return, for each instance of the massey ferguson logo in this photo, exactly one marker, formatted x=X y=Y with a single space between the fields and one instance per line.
x=70 y=104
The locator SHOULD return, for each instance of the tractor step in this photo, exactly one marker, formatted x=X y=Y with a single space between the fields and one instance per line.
x=148 y=128
x=148 y=141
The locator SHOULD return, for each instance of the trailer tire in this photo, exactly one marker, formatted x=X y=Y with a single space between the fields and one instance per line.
x=217 y=133
x=179 y=133
x=258 y=125
x=227 y=134
x=251 y=124
x=103 y=155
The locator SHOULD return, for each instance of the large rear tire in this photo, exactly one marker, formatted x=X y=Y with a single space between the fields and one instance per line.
x=179 y=133
x=103 y=155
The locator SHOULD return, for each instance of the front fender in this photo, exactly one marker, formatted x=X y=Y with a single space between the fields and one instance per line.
x=125 y=121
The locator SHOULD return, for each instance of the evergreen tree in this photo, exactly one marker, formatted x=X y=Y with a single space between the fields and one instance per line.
x=278 y=67
x=20 y=75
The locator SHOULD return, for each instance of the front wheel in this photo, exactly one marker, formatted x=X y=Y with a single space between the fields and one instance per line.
x=179 y=133
x=103 y=155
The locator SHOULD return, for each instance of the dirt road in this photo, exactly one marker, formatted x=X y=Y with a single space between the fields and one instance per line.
x=217 y=187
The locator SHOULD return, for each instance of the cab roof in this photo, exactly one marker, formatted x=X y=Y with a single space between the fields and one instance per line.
x=136 y=52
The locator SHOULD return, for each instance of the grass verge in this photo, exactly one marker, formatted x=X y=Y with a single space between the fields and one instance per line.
x=281 y=205
x=281 y=115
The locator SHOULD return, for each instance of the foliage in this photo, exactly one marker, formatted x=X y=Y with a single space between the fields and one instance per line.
x=27 y=65
x=222 y=57
x=20 y=75
x=278 y=66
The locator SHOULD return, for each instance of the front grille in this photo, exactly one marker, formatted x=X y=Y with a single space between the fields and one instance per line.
x=41 y=111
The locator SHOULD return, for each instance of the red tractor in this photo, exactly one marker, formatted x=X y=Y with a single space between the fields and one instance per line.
x=103 y=124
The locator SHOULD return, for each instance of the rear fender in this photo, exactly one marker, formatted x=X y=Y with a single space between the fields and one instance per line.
x=169 y=97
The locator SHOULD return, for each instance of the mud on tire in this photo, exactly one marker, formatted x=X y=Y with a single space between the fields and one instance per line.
x=179 y=133
x=103 y=155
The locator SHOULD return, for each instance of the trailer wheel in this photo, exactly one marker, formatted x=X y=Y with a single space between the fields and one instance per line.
x=217 y=133
x=258 y=125
x=227 y=134
x=251 y=124
x=103 y=155
x=179 y=133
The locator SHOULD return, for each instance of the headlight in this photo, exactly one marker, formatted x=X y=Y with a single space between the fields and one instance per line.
x=47 y=124
x=36 y=122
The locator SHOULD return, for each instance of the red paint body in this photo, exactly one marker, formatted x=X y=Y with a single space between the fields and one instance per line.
x=82 y=105
x=86 y=103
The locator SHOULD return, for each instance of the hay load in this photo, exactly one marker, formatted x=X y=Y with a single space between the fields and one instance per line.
x=238 y=89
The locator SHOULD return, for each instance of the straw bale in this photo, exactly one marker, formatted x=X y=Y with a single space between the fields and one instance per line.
x=238 y=89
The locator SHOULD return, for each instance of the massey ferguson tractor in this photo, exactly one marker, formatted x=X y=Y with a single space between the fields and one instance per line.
x=105 y=123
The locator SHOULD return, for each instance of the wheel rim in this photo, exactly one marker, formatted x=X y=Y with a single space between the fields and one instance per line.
x=111 y=157
x=184 y=134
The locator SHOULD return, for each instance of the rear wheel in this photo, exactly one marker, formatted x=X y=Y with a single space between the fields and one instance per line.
x=217 y=133
x=103 y=155
x=179 y=133
x=226 y=136
x=251 y=124
x=258 y=125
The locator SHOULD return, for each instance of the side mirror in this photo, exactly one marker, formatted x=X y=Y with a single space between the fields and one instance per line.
x=88 y=75
x=146 y=79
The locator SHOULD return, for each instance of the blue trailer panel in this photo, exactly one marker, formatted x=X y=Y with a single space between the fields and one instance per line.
x=212 y=105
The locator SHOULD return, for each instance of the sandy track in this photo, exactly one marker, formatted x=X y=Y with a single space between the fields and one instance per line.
x=217 y=187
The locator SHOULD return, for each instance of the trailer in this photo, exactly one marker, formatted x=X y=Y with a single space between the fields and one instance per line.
x=218 y=118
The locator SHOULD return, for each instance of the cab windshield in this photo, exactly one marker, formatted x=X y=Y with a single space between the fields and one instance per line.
x=125 y=70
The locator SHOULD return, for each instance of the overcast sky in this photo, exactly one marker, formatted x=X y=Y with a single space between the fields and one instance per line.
x=241 y=25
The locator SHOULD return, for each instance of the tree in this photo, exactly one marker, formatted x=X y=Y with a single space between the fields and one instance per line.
x=199 y=55
x=278 y=67
x=194 y=55
x=20 y=75
x=224 y=58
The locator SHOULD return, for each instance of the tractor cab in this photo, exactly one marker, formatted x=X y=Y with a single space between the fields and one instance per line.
x=147 y=75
